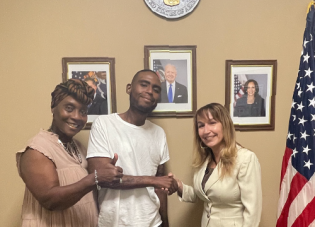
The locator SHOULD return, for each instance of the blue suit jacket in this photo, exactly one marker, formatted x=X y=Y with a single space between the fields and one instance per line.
x=180 y=96
x=98 y=106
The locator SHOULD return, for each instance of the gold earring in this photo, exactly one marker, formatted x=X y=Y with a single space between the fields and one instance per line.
x=200 y=144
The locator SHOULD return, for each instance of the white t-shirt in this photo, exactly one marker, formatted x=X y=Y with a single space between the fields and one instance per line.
x=140 y=149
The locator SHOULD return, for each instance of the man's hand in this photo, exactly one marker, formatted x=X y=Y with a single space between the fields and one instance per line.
x=108 y=174
x=174 y=187
x=179 y=185
x=167 y=183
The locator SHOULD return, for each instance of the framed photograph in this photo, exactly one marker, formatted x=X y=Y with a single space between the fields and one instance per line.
x=176 y=68
x=99 y=73
x=250 y=93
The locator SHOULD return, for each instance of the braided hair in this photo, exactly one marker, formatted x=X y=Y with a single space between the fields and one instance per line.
x=78 y=89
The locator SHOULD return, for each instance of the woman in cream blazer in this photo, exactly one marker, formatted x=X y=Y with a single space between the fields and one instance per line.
x=232 y=192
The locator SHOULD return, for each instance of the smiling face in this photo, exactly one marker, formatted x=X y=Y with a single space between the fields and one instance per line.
x=251 y=89
x=210 y=132
x=69 y=117
x=144 y=91
x=170 y=73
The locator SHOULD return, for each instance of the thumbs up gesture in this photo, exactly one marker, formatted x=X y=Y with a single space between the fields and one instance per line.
x=114 y=160
x=109 y=173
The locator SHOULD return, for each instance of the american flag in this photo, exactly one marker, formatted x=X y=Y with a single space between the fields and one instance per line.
x=157 y=65
x=238 y=86
x=79 y=74
x=158 y=68
x=296 y=205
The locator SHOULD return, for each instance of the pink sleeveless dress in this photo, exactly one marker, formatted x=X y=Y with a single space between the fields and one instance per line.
x=84 y=213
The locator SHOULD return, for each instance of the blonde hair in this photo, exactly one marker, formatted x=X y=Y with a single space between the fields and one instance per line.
x=229 y=151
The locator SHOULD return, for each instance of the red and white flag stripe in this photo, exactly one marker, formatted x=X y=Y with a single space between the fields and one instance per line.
x=297 y=197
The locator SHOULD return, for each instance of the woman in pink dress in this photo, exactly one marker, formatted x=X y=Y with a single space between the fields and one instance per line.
x=58 y=190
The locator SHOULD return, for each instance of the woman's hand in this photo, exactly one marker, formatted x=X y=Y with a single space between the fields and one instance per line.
x=179 y=186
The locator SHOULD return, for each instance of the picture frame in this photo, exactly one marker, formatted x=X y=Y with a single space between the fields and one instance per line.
x=250 y=93
x=180 y=65
x=98 y=72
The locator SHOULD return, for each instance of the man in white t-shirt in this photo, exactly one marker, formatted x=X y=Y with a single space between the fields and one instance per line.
x=140 y=199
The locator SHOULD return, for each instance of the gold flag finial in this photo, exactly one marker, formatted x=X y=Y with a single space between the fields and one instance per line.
x=312 y=3
x=171 y=2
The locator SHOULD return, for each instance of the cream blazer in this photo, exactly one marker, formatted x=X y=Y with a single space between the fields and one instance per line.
x=234 y=201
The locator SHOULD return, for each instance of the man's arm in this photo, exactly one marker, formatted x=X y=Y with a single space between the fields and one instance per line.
x=131 y=182
x=162 y=197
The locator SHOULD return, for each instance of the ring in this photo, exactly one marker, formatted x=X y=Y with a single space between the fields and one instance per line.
x=120 y=180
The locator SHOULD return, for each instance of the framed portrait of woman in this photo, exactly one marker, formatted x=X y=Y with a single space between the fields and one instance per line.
x=250 y=93
x=99 y=73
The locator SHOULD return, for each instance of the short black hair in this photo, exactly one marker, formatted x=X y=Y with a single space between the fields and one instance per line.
x=256 y=86
x=143 y=70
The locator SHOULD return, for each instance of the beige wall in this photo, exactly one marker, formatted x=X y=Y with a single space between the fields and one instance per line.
x=35 y=35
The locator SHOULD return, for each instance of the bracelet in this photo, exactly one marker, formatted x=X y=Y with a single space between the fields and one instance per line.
x=96 y=181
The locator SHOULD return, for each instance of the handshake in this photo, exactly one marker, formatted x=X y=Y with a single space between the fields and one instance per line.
x=109 y=175
x=169 y=184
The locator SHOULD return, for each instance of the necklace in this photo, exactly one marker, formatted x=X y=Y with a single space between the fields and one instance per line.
x=71 y=148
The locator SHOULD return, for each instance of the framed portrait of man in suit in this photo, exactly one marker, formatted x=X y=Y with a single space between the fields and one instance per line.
x=176 y=68
x=250 y=93
x=99 y=73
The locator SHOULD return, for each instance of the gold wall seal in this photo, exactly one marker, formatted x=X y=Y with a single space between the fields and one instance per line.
x=171 y=2
x=172 y=9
